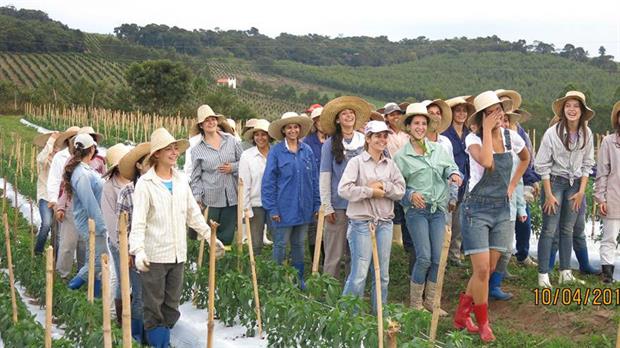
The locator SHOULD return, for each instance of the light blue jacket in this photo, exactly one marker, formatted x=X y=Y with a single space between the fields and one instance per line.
x=87 y=186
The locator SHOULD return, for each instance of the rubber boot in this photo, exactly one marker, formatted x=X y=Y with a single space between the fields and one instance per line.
x=158 y=337
x=608 y=274
x=137 y=330
x=97 y=288
x=415 y=296
x=481 y=312
x=118 y=306
x=76 y=283
x=584 y=262
x=495 y=290
x=299 y=266
x=462 y=318
x=429 y=299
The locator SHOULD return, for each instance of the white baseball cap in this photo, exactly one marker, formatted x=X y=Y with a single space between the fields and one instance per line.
x=376 y=127
x=86 y=140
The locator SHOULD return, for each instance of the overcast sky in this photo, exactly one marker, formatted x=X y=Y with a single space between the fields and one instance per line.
x=589 y=24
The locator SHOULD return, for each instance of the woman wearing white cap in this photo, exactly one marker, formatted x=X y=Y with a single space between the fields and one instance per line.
x=485 y=211
x=371 y=183
x=163 y=207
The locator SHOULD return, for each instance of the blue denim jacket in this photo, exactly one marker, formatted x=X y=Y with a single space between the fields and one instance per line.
x=315 y=144
x=290 y=186
x=461 y=158
x=87 y=186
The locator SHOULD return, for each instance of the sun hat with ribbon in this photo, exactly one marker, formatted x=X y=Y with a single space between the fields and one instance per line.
x=512 y=95
x=161 y=138
x=558 y=104
x=291 y=117
x=614 y=115
x=64 y=136
x=331 y=110
x=259 y=125
x=483 y=101
x=439 y=125
x=413 y=109
x=127 y=163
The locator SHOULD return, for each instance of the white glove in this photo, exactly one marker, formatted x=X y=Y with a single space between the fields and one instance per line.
x=142 y=262
x=219 y=248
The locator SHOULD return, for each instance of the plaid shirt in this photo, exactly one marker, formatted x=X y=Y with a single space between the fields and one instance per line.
x=125 y=204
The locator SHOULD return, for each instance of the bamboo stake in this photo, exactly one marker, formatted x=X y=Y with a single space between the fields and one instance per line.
x=212 y=245
x=240 y=222
x=534 y=140
x=105 y=297
x=124 y=279
x=439 y=288
x=392 y=333
x=91 y=261
x=201 y=250
x=375 y=261
x=9 y=259
x=319 y=240
x=49 y=293
x=254 y=278
x=32 y=166
x=16 y=216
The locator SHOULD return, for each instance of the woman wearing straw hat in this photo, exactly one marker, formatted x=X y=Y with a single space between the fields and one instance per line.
x=290 y=188
x=371 y=183
x=44 y=159
x=607 y=194
x=251 y=169
x=485 y=211
x=114 y=182
x=215 y=171
x=83 y=187
x=157 y=240
x=564 y=161
x=131 y=166
x=427 y=167
x=340 y=119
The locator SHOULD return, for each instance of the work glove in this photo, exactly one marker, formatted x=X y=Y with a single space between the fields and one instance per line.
x=142 y=262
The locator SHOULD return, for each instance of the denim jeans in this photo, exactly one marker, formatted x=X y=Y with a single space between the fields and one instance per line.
x=46 y=226
x=427 y=231
x=562 y=223
x=101 y=247
x=116 y=256
x=523 y=230
x=360 y=244
x=579 y=233
x=297 y=237
x=137 y=305
x=399 y=219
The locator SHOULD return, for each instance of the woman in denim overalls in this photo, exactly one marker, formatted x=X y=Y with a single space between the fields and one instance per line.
x=485 y=211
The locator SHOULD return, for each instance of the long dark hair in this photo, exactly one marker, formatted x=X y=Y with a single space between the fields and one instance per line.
x=138 y=174
x=79 y=152
x=337 y=147
x=561 y=126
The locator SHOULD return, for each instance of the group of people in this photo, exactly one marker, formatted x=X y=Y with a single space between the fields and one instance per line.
x=463 y=163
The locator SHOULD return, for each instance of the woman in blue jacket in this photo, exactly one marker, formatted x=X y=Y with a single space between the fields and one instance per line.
x=290 y=187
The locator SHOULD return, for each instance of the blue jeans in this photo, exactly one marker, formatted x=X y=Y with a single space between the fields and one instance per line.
x=101 y=247
x=297 y=236
x=562 y=223
x=427 y=231
x=360 y=244
x=137 y=310
x=523 y=230
x=46 y=226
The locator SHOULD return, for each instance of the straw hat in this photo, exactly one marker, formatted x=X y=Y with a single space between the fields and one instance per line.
x=513 y=95
x=262 y=125
x=316 y=112
x=91 y=131
x=41 y=139
x=127 y=164
x=442 y=124
x=330 y=112
x=469 y=98
x=483 y=101
x=205 y=111
x=524 y=115
x=614 y=115
x=249 y=124
x=275 y=128
x=161 y=138
x=513 y=118
x=114 y=154
x=64 y=136
x=452 y=102
x=413 y=109
x=558 y=104
x=376 y=116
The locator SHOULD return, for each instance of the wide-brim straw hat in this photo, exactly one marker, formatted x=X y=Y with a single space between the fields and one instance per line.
x=64 y=136
x=558 y=104
x=361 y=108
x=413 y=109
x=127 y=164
x=525 y=116
x=483 y=101
x=513 y=118
x=259 y=125
x=446 y=115
x=452 y=102
x=91 y=131
x=114 y=154
x=161 y=138
x=41 y=139
x=614 y=115
x=513 y=95
x=291 y=117
x=376 y=116
x=205 y=111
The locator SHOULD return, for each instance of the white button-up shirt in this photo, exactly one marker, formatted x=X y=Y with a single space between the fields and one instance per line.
x=159 y=220
x=251 y=169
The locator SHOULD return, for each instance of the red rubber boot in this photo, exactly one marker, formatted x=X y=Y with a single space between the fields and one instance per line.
x=482 y=317
x=462 y=320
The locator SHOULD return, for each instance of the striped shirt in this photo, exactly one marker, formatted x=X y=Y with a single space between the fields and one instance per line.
x=209 y=185
x=158 y=224
x=125 y=205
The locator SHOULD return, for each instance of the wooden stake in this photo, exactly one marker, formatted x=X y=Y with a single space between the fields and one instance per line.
x=375 y=261
x=201 y=253
x=16 y=216
x=212 y=245
x=49 y=293
x=91 y=261
x=240 y=222
x=9 y=259
x=105 y=297
x=254 y=278
x=319 y=240
x=124 y=278
x=438 y=289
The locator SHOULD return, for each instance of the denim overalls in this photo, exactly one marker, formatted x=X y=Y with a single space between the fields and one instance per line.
x=485 y=211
